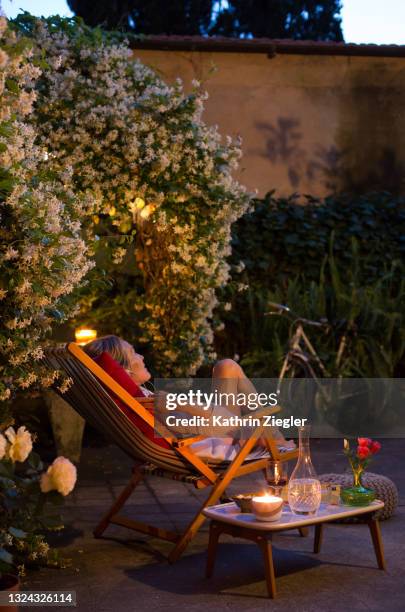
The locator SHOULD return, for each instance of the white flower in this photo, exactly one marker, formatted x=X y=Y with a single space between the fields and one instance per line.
x=112 y=126
x=43 y=549
x=27 y=381
x=11 y=253
x=240 y=267
x=66 y=384
x=37 y=353
x=242 y=287
x=5 y=395
x=20 y=443
x=60 y=476
x=119 y=255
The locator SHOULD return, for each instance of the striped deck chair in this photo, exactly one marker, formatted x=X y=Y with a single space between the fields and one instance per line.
x=89 y=396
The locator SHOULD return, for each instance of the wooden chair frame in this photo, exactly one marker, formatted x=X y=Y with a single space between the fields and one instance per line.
x=209 y=477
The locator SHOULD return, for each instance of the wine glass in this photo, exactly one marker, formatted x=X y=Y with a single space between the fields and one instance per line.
x=277 y=476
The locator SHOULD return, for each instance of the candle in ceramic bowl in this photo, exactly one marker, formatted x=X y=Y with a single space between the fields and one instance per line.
x=267 y=507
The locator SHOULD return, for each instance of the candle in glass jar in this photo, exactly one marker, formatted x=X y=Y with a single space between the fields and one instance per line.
x=267 y=507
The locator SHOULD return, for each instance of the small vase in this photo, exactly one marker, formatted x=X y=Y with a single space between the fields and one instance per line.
x=357 y=495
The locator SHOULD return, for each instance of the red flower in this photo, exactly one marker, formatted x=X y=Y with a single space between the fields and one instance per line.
x=363 y=452
x=364 y=441
x=375 y=447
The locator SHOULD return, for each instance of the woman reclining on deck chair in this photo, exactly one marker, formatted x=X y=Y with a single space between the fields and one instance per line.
x=227 y=377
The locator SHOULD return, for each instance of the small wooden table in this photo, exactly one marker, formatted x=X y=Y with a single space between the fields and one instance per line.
x=227 y=518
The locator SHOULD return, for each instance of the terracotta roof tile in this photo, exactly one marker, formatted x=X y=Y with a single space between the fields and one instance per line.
x=264 y=45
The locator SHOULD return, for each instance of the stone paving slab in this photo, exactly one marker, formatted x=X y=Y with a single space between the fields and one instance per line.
x=126 y=571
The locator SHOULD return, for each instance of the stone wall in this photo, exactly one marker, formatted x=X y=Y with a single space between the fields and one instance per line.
x=310 y=123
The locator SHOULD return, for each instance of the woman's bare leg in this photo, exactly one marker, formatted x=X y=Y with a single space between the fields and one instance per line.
x=229 y=378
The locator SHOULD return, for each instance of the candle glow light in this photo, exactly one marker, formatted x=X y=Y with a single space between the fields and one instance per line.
x=267 y=507
x=83 y=336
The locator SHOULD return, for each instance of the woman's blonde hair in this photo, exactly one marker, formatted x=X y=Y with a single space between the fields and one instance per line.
x=114 y=345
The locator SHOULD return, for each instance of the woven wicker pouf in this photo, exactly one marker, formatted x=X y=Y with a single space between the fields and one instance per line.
x=384 y=488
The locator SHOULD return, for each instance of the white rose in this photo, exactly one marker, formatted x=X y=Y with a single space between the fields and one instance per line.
x=3 y=446
x=20 y=443
x=60 y=476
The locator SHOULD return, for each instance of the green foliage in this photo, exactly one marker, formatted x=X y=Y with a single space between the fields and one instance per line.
x=73 y=27
x=159 y=182
x=25 y=515
x=285 y=237
x=341 y=260
x=42 y=253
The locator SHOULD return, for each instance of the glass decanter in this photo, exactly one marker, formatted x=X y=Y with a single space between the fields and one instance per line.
x=304 y=488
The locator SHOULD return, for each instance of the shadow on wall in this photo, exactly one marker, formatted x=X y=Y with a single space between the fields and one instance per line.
x=363 y=160
x=283 y=146
x=371 y=127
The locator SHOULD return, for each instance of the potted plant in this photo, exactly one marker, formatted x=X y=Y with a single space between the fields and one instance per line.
x=359 y=459
x=28 y=496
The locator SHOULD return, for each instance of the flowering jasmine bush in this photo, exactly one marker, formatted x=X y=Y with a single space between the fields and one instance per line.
x=160 y=177
x=42 y=254
x=25 y=490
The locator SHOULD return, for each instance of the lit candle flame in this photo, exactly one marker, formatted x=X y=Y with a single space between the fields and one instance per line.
x=266 y=498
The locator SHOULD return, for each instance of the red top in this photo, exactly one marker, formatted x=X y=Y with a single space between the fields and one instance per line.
x=117 y=372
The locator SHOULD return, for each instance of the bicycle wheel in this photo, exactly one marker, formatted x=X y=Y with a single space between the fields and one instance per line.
x=301 y=389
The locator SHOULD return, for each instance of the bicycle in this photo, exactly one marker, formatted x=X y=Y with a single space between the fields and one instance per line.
x=302 y=361
x=324 y=402
x=296 y=357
